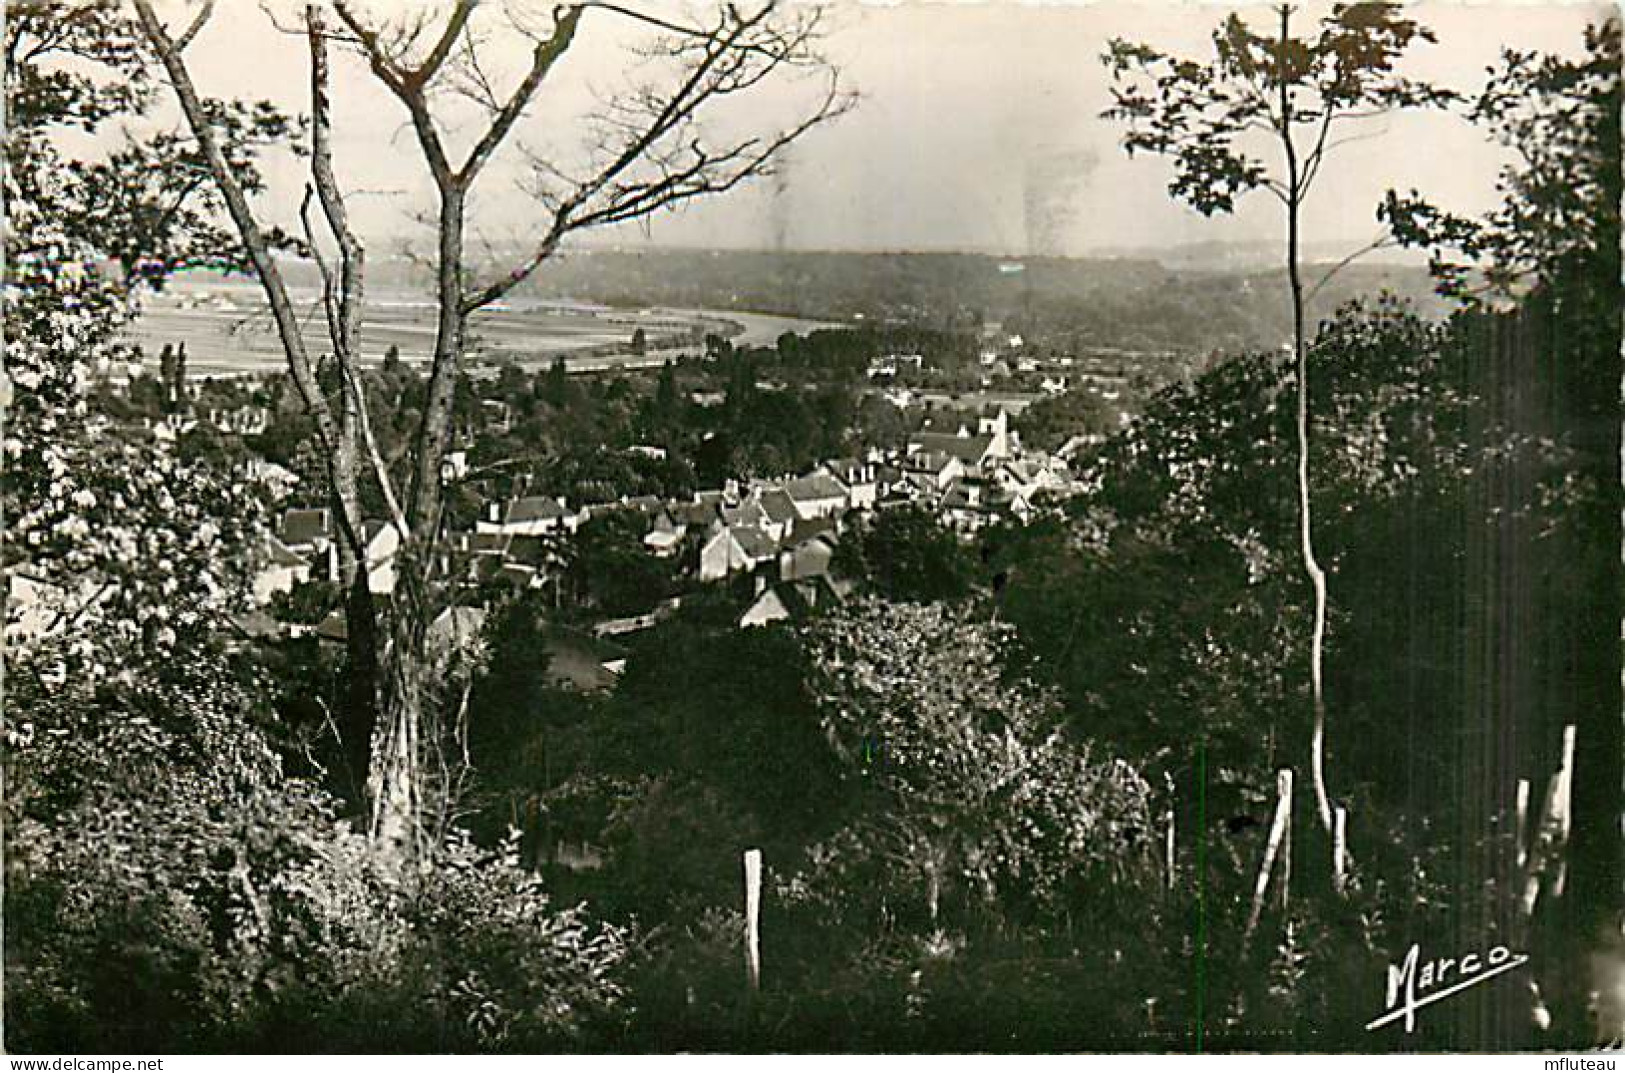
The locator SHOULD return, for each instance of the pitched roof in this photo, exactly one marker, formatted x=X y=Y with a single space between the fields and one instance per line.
x=946 y=420
x=305 y=526
x=535 y=508
x=849 y=470
x=694 y=513
x=964 y=448
x=797 y=598
x=749 y=513
x=773 y=604
x=778 y=506
x=756 y=544
x=597 y=647
x=644 y=504
x=281 y=554
x=372 y=527
x=256 y=625
x=485 y=543
x=815 y=486
x=335 y=627
x=929 y=461
x=808 y=528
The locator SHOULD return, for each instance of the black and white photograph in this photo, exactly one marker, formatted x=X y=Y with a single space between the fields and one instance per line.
x=656 y=527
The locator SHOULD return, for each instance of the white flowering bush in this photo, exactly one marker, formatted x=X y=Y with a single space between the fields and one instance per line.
x=124 y=546
x=169 y=887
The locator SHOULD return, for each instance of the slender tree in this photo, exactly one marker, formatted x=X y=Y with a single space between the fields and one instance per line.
x=649 y=149
x=1266 y=112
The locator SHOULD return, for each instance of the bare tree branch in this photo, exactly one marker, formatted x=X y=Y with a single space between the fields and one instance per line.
x=407 y=87
x=1383 y=241
x=546 y=55
x=449 y=36
x=344 y=317
x=197 y=24
x=259 y=251
x=657 y=133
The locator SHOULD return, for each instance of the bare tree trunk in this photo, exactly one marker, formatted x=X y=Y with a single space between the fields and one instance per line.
x=395 y=779
x=259 y=251
x=1317 y=576
x=337 y=434
x=394 y=783
x=360 y=628
x=451 y=329
x=1340 y=852
x=361 y=684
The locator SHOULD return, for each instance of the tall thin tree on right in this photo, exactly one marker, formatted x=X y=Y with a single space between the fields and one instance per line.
x=1284 y=96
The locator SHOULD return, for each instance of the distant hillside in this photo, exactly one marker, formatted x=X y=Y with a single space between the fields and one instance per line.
x=1135 y=303
x=1139 y=303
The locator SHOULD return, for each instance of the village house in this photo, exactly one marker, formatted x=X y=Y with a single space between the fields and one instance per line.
x=930 y=470
x=305 y=548
x=309 y=535
x=780 y=511
x=734 y=549
x=818 y=495
x=242 y=421
x=793 y=600
x=665 y=534
x=991 y=442
x=281 y=569
x=703 y=514
x=748 y=514
x=529 y=516
x=380 y=543
x=808 y=556
x=859 y=479
x=580 y=663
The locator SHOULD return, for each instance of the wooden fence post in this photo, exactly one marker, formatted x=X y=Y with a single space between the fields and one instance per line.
x=1283 y=792
x=1563 y=810
x=1520 y=822
x=1278 y=829
x=1340 y=848
x=1168 y=849
x=1548 y=840
x=753 y=914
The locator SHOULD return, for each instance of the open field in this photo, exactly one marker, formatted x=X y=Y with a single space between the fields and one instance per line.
x=228 y=330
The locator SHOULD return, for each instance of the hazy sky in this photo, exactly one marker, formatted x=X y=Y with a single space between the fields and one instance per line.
x=978 y=129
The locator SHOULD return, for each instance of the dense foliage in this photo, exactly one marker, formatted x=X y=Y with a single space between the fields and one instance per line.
x=169 y=886
x=1011 y=792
